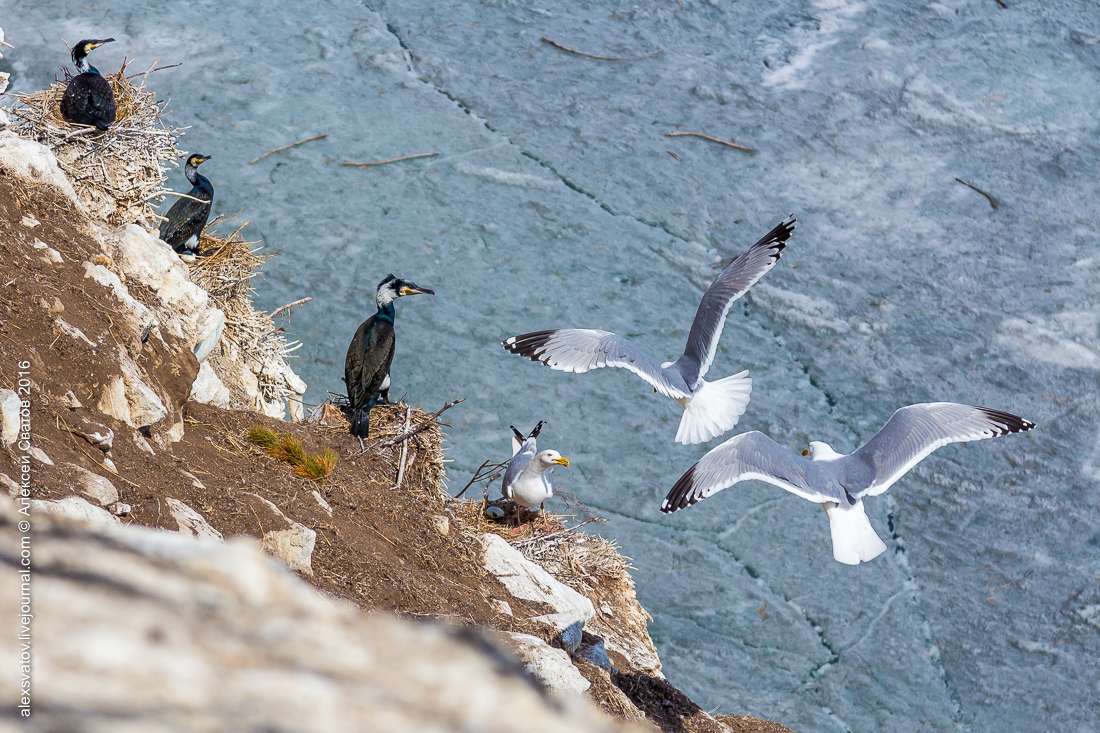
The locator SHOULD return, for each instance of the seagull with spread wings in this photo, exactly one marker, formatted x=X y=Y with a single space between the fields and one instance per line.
x=840 y=482
x=710 y=408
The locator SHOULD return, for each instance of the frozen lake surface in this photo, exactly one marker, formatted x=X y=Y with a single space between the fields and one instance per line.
x=555 y=201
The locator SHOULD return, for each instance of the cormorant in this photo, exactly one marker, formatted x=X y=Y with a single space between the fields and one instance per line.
x=187 y=217
x=367 y=366
x=527 y=478
x=710 y=408
x=89 y=99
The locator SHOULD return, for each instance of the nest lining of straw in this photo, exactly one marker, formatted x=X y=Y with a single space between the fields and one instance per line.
x=119 y=173
x=250 y=336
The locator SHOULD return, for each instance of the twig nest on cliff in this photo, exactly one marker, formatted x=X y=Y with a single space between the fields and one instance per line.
x=117 y=174
x=225 y=272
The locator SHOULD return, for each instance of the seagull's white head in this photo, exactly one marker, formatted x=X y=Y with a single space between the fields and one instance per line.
x=548 y=458
x=818 y=451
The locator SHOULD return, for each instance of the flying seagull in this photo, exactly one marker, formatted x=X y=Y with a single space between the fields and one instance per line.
x=527 y=478
x=710 y=408
x=840 y=482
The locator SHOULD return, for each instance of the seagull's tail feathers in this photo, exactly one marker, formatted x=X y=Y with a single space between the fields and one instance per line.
x=854 y=539
x=714 y=408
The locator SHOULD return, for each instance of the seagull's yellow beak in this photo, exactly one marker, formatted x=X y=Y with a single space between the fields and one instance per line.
x=805 y=451
x=563 y=461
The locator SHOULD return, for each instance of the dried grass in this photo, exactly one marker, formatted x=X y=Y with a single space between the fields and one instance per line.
x=117 y=174
x=226 y=272
x=288 y=448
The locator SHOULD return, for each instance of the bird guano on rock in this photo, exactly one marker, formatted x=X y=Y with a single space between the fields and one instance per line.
x=367 y=365
x=184 y=222
x=837 y=481
x=88 y=99
x=527 y=479
x=710 y=408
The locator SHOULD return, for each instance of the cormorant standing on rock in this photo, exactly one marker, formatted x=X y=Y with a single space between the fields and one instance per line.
x=367 y=366
x=187 y=217
x=89 y=99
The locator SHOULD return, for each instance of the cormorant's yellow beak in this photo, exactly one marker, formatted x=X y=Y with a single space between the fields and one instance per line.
x=563 y=461
x=406 y=290
x=805 y=451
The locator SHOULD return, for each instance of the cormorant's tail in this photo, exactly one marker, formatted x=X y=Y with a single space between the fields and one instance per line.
x=360 y=422
x=714 y=408
x=854 y=539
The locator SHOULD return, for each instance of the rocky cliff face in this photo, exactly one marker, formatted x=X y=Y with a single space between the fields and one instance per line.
x=118 y=359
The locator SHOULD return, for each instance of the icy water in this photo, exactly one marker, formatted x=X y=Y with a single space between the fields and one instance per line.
x=555 y=201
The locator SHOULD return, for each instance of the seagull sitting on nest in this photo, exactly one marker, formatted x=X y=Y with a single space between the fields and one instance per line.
x=839 y=482
x=527 y=478
x=710 y=408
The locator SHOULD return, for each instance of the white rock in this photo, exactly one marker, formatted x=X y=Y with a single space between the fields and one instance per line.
x=139 y=315
x=191 y=522
x=551 y=666
x=184 y=296
x=208 y=389
x=113 y=400
x=501 y=607
x=9 y=485
x=209 y=333
x=74 y=507
x=10 y=405
x=33 y=162
x=73 y=332
x=142 y=443
x=120 y=509
x=524 y=579
x=293 y=545
x=145 y=405
x=93 y=485
x=39 y=455
x=145 y=258
x=100 y=436
x=275 y=409
x=316 y=495
x=193 y=479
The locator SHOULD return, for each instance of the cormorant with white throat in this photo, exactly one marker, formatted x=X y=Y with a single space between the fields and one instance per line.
x=367 y=366
x=89 y=99
x=187 y=217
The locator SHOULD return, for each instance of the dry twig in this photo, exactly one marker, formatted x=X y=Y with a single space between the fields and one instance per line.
x=404 y=448
x=729 y=144
x=391 y=160
x=555 y=44
x=288 y=147
x=420 y=428
x=992 y=201
x=288 y=306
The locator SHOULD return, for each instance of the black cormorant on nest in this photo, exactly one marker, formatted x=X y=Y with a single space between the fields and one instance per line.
x=89 y=99
x=188 y=216
x=367 y=366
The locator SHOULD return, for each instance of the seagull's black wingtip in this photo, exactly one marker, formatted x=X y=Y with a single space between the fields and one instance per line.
x=1006 y=422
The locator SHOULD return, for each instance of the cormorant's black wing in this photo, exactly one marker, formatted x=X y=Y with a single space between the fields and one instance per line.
x=89 y=100
x=185 y=219
x=368 y=360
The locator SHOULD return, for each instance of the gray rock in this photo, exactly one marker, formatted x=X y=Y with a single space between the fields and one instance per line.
x=593 y=651
x=570 y=638
x=9 y=485
x=293 y=543
x=39 y=455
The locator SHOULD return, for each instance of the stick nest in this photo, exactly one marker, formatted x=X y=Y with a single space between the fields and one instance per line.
x=118 y=173
x=226 y=272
